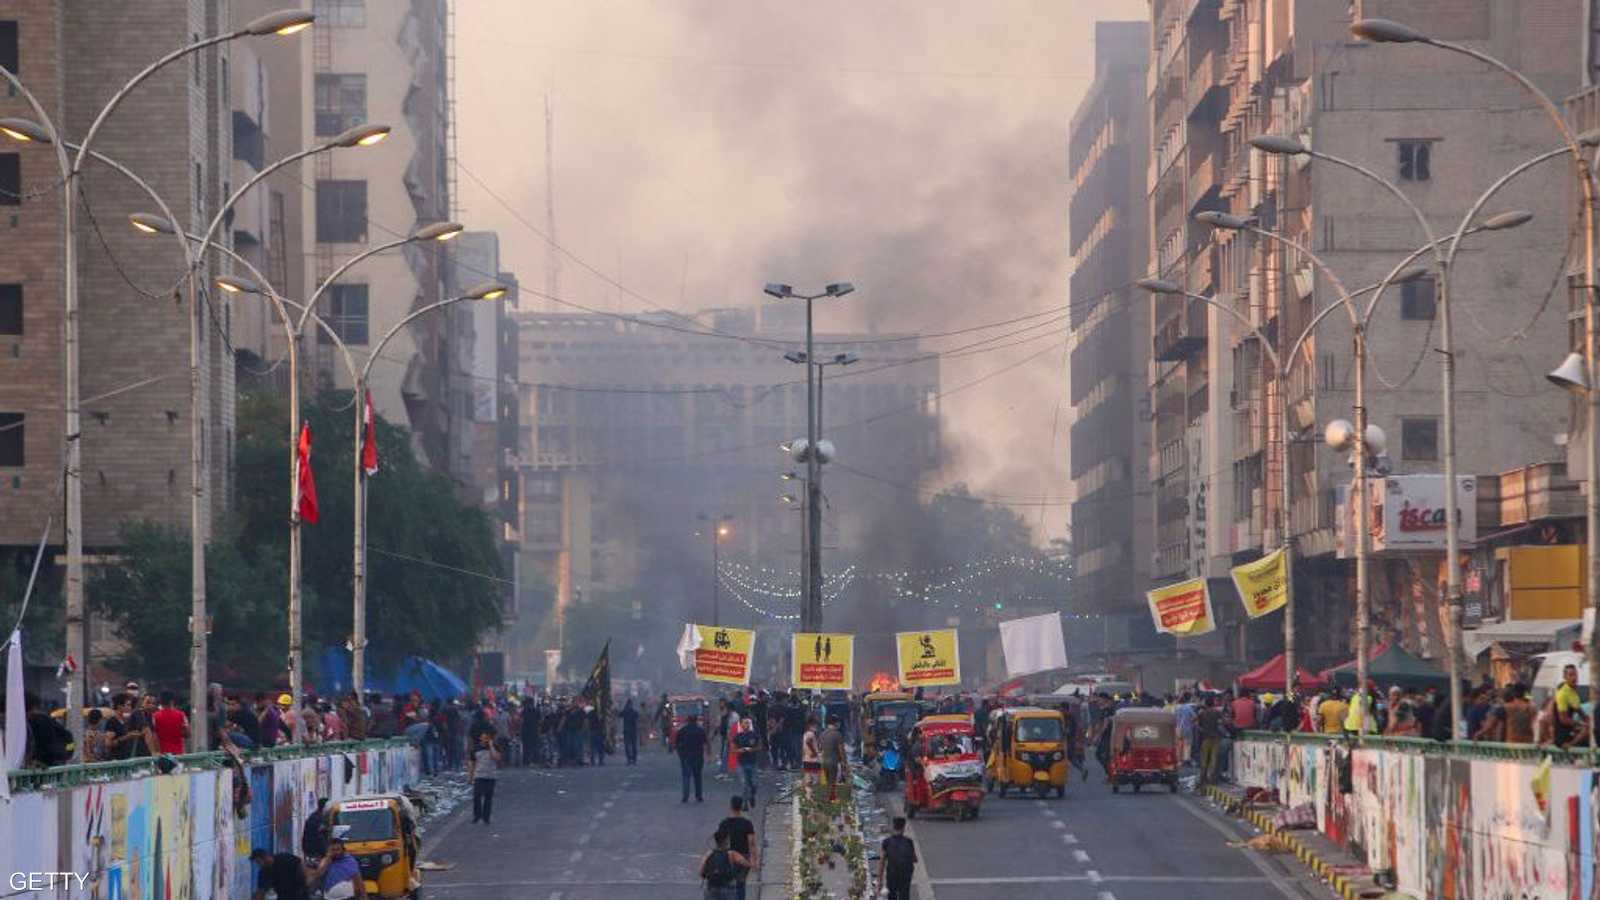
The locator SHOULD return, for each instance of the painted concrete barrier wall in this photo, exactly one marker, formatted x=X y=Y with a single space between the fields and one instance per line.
x=179 y=836
x=1449 y=827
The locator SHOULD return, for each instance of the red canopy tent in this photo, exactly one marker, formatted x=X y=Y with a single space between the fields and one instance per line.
x=1269 y=677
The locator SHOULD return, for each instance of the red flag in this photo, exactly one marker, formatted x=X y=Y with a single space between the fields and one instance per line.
x=369 y=442
x=307 y=505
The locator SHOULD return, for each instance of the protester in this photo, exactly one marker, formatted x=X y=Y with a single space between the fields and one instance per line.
x=831 y=748
x=1518 y=714
x=747 y=750
x=1208 y=725
x=47 y=742
x=336 y=871
x=1244 y=710
x=170 y=725
x=354 y=717
x=810 y=753
x=741 y=834
x=94 y=737
x=314 y=834
x=719 y=869
x=1331 y=713
x=282 y=874
x=691 y=744
x=898 y=862
x=630 y=733
x=482 y=770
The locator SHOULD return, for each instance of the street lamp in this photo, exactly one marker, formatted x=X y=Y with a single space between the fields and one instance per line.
x=282 y=22
x=716 y=531
x=1385 y=31
x=1444 y=257
x=811 y=608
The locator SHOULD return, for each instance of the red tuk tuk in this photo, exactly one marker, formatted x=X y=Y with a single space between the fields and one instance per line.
x=683 y=706
x=944 y=773
x=1144 y=748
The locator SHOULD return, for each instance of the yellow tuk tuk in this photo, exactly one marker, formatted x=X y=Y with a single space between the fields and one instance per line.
x=1027 y=749
x=886 y=714
x=380 y=832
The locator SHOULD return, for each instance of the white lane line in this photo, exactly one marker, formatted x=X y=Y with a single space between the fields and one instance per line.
x=583 y=839
x=1069 y=838
x=1106 y=895
x=1093 y=876
x=1255 y=857
x=609 y=803
x=1080 y=855
x=576 y=856
x=1050 y=813
x=555 y=895
x=1057 y=823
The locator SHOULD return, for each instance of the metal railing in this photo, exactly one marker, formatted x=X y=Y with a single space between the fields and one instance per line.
x=1426 y=747
x=58 y=777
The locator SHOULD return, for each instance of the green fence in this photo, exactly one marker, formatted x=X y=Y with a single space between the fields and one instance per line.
x=72 y=776
x=1463 y=749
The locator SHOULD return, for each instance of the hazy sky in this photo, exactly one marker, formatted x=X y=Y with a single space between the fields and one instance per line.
x=916 y=148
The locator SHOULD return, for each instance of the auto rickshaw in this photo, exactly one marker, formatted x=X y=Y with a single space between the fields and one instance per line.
x=380 y=832
x=1027 y=750
x=683 y=706
x=943 y=772
x=1144 y=748
x=886 y=714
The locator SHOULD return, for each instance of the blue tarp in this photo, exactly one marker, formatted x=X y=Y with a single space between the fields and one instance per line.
x=424 y=676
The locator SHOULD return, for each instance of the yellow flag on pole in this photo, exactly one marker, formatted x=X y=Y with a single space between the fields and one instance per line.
x=1263 y=584
x=822 y=662
x=723 y=654
x=928 y=658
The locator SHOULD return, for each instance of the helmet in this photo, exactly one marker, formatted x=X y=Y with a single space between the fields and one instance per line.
x=285 y=700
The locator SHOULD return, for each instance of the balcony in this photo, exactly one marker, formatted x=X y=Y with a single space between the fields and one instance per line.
x=1205 y=78
x=1583 y=110
x=1181 y=335
x=1204 y=184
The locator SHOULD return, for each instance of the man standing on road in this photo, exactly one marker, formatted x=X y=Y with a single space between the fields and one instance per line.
x=741 y=834
x=1208 y=724
x=482 y=770
x=831 y=747
x=897 y=862
x=690 y=743
x=746 y=748
x=630 y=732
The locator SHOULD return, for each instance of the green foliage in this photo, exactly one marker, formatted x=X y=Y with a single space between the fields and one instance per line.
x=434 y=582
x=42 y=623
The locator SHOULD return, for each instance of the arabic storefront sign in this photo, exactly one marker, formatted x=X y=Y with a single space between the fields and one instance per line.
x=928 y=658
x=1263 y=584
x=724 y=654
x=823 y=662
x=1183 y=609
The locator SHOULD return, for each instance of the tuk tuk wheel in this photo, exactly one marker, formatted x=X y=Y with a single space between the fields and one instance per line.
x=988 y=785
x=1003 y=788
x=1173 y=786
x=1061 y=792
x=911 y=811
x=1136 y=786
x=1115 y=787
x=1041 y=791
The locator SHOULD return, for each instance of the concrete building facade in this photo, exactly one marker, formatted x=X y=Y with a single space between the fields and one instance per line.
x=1440 y=127
x=1110 y=440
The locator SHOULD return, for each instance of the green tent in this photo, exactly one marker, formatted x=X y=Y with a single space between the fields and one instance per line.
x=1392 y=666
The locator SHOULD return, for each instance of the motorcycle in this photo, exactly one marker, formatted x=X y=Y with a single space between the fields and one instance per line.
x=891 y=768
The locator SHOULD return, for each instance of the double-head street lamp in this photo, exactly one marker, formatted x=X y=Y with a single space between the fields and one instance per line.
x=282 y=22
x=1385 y=31
x=811 y=608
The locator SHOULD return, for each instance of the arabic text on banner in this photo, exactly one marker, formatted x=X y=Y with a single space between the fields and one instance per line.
x=1263 y=584
x=928 y=658
x=823 y=662
x=1183 y=609
x=724 y=654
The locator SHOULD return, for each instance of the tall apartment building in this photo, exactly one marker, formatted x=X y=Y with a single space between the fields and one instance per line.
x=1442 y=128
x=382 y=62
x=1110 y=442
x=175 y=131
x=629 y=432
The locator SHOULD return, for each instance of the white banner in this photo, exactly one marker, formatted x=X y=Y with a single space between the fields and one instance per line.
x=16 y=735
x=1033 y=644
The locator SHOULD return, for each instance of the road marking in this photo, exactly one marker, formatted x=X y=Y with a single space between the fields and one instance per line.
x=583 y=839
x=1094 y=877
x=555 y=895
x=1106 y=895
x=576 y=856
x=1050 y=813
x=609 y=803
x=1069 y=838
x=1255 y=857
x=1057 y=823
x=1080 y=856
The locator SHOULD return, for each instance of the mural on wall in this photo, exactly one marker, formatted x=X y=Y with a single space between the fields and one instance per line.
x=176 y=837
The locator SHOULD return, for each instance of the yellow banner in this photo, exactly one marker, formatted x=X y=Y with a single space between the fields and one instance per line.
x=1183 y=609
x=724 y=654
x=1264 y=584
x=823 y=662
x=928 y=658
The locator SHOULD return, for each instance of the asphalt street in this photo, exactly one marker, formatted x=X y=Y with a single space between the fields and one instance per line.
x=614 y=831
x=620 y=833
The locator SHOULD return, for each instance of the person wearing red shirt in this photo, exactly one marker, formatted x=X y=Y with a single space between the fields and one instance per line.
x=170 y=724
x=1244 y=710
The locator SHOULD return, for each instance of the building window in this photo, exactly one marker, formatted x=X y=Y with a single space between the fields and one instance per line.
x=10 y=309
x=341 y=13
x=10 y=179
x=347 y=313
x=1414 y=160
x=1417 y=299
x=11 y=433
x=199 y=188
x=1419 y=438
x=8 y=45
x=195 y=39
x=248 y=143
x=341 y=103
x=341 y=212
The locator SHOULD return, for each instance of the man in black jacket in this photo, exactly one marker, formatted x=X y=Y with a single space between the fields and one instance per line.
x=690 y=743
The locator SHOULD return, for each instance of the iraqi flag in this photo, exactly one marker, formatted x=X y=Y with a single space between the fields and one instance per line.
x=306 y=503
x=369 y=441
